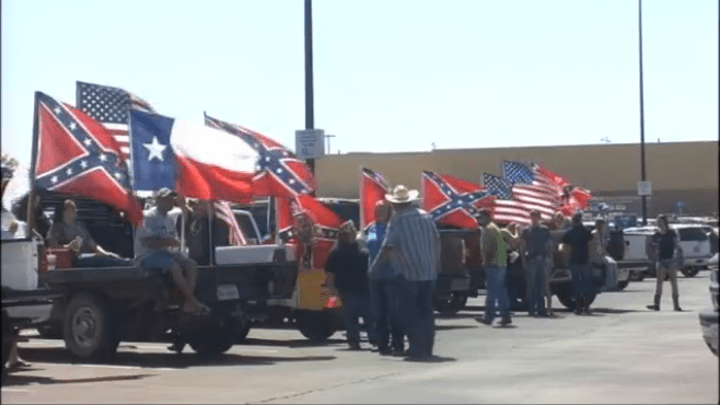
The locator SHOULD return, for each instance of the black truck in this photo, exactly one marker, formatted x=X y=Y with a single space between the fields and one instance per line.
x=101 y=307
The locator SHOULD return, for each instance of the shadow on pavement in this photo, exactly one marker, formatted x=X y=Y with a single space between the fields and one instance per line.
x=14 y=379
x=451 y=327
x=165 y=360
x=455 y=316
x=293 y=343
x=432 y=359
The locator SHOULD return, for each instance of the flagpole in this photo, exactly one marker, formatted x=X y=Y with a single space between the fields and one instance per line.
x=642 y=114
x=33 y=163
x=309 y=97
x=362 y=224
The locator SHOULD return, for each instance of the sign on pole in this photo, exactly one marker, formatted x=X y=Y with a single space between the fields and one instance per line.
x=644 y=188
x=310 y=143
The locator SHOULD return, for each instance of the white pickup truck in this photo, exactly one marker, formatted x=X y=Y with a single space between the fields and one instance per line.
x=24 y=304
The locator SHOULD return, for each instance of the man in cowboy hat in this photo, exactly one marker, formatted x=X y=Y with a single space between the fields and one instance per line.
x=346 y=266
x=413 y=242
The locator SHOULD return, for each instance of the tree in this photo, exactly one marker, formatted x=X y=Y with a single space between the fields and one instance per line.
x=9 y=161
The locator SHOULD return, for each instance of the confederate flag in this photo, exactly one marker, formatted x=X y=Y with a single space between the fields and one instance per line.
x=453 y=201
x=373 y=188
x=77 y=155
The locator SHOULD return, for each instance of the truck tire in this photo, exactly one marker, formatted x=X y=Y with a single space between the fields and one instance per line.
x=637 y=276
x=690 y=271
x=214 y=342
x=451 y=306
x=88 y=329
x=241 y=331
x=565 y=296
x=317 y=326
x=622 y=284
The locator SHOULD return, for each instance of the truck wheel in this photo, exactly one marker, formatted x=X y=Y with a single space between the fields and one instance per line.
x=316 y=325
x=565 y=296
x=452 y=305
x=88 y=330
x=214 y=342
x=690 y=271
x=637 y=276
x=622 y=284
x=241 y=331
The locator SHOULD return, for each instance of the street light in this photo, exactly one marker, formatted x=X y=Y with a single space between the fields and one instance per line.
x=328 y=142
x=642 y=114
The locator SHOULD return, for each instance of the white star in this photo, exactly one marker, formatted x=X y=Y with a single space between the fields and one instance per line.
x=83 y=164
x=73 y=126
x=156 y=149
x=267 y=158
x=118 y=175
x=292 y=181
x=57 y=110
x=54 y=179
x=279 y=170
x=68 y=171
x=87 y=142
x=103 y=157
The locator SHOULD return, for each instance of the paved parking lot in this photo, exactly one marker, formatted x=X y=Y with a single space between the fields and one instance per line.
x=621 y=354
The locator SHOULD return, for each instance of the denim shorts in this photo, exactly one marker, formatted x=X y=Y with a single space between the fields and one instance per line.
x=160 y=260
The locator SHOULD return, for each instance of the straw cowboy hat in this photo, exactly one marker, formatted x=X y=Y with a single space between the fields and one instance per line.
x=401 y=195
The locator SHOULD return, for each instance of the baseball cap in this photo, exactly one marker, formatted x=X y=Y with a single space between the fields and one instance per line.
x=165 y=192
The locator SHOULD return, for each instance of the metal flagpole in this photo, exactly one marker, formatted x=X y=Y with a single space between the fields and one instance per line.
x=642 y=114
x=33 y=163
x=309 y=99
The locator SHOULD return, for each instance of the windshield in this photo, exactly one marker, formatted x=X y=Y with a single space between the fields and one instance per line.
x=692 y=234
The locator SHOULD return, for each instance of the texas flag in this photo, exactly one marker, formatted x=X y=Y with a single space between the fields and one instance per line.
x=373 y=188
x=194 y=160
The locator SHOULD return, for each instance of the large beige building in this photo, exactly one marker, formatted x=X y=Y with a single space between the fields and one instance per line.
x=679 y=171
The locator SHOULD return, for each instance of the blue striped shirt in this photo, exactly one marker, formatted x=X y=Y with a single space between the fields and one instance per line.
x=415 y=243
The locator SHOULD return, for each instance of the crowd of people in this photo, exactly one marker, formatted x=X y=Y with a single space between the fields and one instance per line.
x=389 y=278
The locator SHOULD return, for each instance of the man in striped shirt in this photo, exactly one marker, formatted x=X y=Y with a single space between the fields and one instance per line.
x=413 y=243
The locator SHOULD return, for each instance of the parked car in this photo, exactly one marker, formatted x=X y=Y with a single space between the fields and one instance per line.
x=709 y=316
x=694 y=241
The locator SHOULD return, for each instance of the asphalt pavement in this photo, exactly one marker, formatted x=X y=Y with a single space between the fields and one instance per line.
x=623 y=353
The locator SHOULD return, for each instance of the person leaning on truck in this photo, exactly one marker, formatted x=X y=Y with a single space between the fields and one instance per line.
x=157 y=236
x=667 y=250
x=67 y=232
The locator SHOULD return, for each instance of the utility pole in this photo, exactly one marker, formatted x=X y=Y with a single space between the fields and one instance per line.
x=309 y=99
x=642 y=114
x=328 y=142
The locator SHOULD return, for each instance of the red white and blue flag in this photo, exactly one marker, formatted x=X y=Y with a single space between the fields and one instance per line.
x=111 y=107
x=373 y=188
x=325 y=221
x=279 y=172
x=194 y=160
x=77 y=155
x=452 y=201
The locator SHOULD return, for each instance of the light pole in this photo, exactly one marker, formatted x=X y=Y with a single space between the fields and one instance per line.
x=328 y=142
x=309 y=99
x=642 y=115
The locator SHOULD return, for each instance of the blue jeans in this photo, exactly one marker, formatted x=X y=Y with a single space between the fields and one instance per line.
x=355 y=306
x=418 y=315
x=583 y=283
x=385 y=305
x=536 y=286
x=496 y=292
x=97 y=260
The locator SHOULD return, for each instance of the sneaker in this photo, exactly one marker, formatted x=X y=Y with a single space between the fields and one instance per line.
x=505 y=321
x=587 y=311
x=354 y=345
x=483 y=320
x=398 y=353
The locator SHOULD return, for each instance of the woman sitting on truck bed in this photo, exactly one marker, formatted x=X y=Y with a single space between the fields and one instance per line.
x=67 y=232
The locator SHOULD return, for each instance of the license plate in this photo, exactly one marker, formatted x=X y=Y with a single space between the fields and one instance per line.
x=227 y=292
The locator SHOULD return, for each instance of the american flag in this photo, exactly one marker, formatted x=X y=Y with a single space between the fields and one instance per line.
x=532 y=189
x=279 y=172
x=111 y=107
x=497 y=186
x=225 y=213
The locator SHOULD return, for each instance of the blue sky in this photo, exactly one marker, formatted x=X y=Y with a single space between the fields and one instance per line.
x=390 y=76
